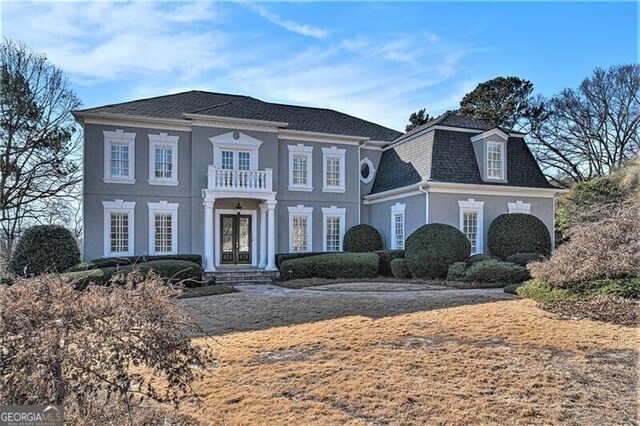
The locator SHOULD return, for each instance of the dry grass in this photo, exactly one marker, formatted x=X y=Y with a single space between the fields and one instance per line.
x=315 y=281
x=495 y=363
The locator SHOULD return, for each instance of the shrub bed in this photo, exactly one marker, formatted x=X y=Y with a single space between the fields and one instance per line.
x=523 y=259
x=431 y=249
x=108 y=262
x=281 y=257
x=385 y=258
x=479 y=258
x=400 y=269
x=539 y=290
x=332 y=265
x=361 y=239
x=488 y=271
x=518 y=233
x=43 y=249
x=610 y=309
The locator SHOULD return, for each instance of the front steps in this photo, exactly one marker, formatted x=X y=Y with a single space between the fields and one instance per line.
x=237 y=276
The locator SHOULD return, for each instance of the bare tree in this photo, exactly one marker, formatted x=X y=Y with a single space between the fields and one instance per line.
x=583 y=133
x=39 y=155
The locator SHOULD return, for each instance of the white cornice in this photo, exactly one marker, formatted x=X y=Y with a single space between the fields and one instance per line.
x=302 y=136
x=234 y=123
x=111 y=119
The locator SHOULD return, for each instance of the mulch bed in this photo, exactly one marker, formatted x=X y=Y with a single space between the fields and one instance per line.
x=617 y=311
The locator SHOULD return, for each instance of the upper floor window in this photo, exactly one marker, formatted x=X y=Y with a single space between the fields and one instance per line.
x=235 y=160
x=119 y=157
x=118 y=228
x=163 y=159
x=300 y=167
x=235 y=151
x=333 y=219
x=495 y=160
x=333 y=169
x=300 y=228
x=471 y=223
x=163 y=228
x=397 y=226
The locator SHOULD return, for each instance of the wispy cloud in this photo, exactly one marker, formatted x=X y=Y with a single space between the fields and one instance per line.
x=303 y=29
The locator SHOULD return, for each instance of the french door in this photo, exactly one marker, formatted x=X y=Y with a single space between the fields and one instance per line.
x=235 y=239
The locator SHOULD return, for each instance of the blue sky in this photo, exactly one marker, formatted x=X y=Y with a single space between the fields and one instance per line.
x=378 y=61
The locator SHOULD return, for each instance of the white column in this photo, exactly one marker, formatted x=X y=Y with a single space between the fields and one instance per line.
x=271 y=241
x=263 y=236
x=208 y=236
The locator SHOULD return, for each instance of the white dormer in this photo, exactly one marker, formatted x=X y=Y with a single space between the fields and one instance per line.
x=491 y=154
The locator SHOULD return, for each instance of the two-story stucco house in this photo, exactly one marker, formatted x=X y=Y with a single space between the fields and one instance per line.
x=238 y=180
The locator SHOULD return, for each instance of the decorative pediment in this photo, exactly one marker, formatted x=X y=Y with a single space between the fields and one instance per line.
x=235 y=140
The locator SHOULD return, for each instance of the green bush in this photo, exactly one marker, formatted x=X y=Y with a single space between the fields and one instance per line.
x=43 y=249
x=539 y=291
x=512 y=288
x=536 y=289
x=362 y=238
x=478 y=258
x=385 y=258
x=523 y=259
x=281 y=257
x=108 y=262
x=518 y=233
x=488 y=271
x=332 y=265
x=431 y=249
x=399 y=269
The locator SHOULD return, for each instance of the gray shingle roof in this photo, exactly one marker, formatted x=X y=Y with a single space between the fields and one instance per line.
x=448 y=156
x=236 y=106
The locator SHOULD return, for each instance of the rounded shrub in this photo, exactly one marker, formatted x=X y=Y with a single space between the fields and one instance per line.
x=523 y=259
x=362 y=238
x=43 y=249
x=432 y=248
x=331 y=266
x=480 y=257
x=399 y=268
x=518 y=233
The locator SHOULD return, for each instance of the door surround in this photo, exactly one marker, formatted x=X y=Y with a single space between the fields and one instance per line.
x=254 y=236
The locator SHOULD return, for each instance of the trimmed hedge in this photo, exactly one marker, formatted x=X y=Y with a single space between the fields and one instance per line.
x=43 y=249
x=173 y=271
x=523 y=259
x=479 y=258
x=399 y=269
x=626 y=288
x=281 y=257
x=332 y=265
x=385 y=259
x=109 y=262
x=362 y=239
x=488 y=271
x=432 y=248
x=518 y=233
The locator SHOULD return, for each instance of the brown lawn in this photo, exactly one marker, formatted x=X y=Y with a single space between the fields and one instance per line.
x=496 y=363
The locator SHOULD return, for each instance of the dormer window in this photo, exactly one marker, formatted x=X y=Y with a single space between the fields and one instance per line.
x=495 y=160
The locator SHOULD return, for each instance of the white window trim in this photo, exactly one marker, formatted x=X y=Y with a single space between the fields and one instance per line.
x=328 y=212
x=473 y=206
x=397 y=210
x=503 y=157
x=163 y=207
x=296 y=211
x=118 y=206
x=340 y=154
x=235 y=141
x=519 y=207
x=372 y=170
x=120 y=137
x=300 y=149
x=163 y=140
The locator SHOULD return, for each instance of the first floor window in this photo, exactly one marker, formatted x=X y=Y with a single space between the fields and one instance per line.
x=333 y=233
x=119 y=232
x=333 y=219
x=163 y=227
x=118 y=228
x=300 y=233
x=163 y=230
x=300 y=228
x=397 y=226
x=470 y=229
x=471 y=219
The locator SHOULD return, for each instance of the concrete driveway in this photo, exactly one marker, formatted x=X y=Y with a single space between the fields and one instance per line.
x=258 y=307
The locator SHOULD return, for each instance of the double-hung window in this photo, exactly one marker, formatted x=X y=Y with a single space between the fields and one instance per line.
x=300 y=167
x=333 y=219
x=495 y=160
x=471 y=223
x=300 y=228
x=397 y=226
x=163 y=159
x=333 y=169
x=118 y=228
x=163 y=228
x=119 y=156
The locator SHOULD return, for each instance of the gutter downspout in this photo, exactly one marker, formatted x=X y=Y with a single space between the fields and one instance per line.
x=426 y=204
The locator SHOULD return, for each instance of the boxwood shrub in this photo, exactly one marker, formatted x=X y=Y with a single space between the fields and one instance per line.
x=523 y=259
x=518 y=233
x=539 y=290
x=488 y=271
x=331 y=265
x=108 y=262
x=43 y=249
x=362 y=238
x=385 y=257
x=399 y=269
x=432 y=248
x=281 y=257
x=479 y=258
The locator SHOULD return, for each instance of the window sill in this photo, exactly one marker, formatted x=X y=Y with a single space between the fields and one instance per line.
x=114 y=180
x=338 y=190
x=163 y=182
x=300 y=188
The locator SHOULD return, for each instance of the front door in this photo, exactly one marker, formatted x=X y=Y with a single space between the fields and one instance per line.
x=235 y=239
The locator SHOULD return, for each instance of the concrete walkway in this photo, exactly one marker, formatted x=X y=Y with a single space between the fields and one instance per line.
x=258 y=307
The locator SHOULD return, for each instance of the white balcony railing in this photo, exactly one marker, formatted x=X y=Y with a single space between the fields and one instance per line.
x=240 y=180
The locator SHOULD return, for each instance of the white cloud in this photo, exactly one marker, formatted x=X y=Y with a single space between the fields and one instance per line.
x=303 y=29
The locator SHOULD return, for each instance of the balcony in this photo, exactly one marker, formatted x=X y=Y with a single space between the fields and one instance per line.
x=249 y=181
